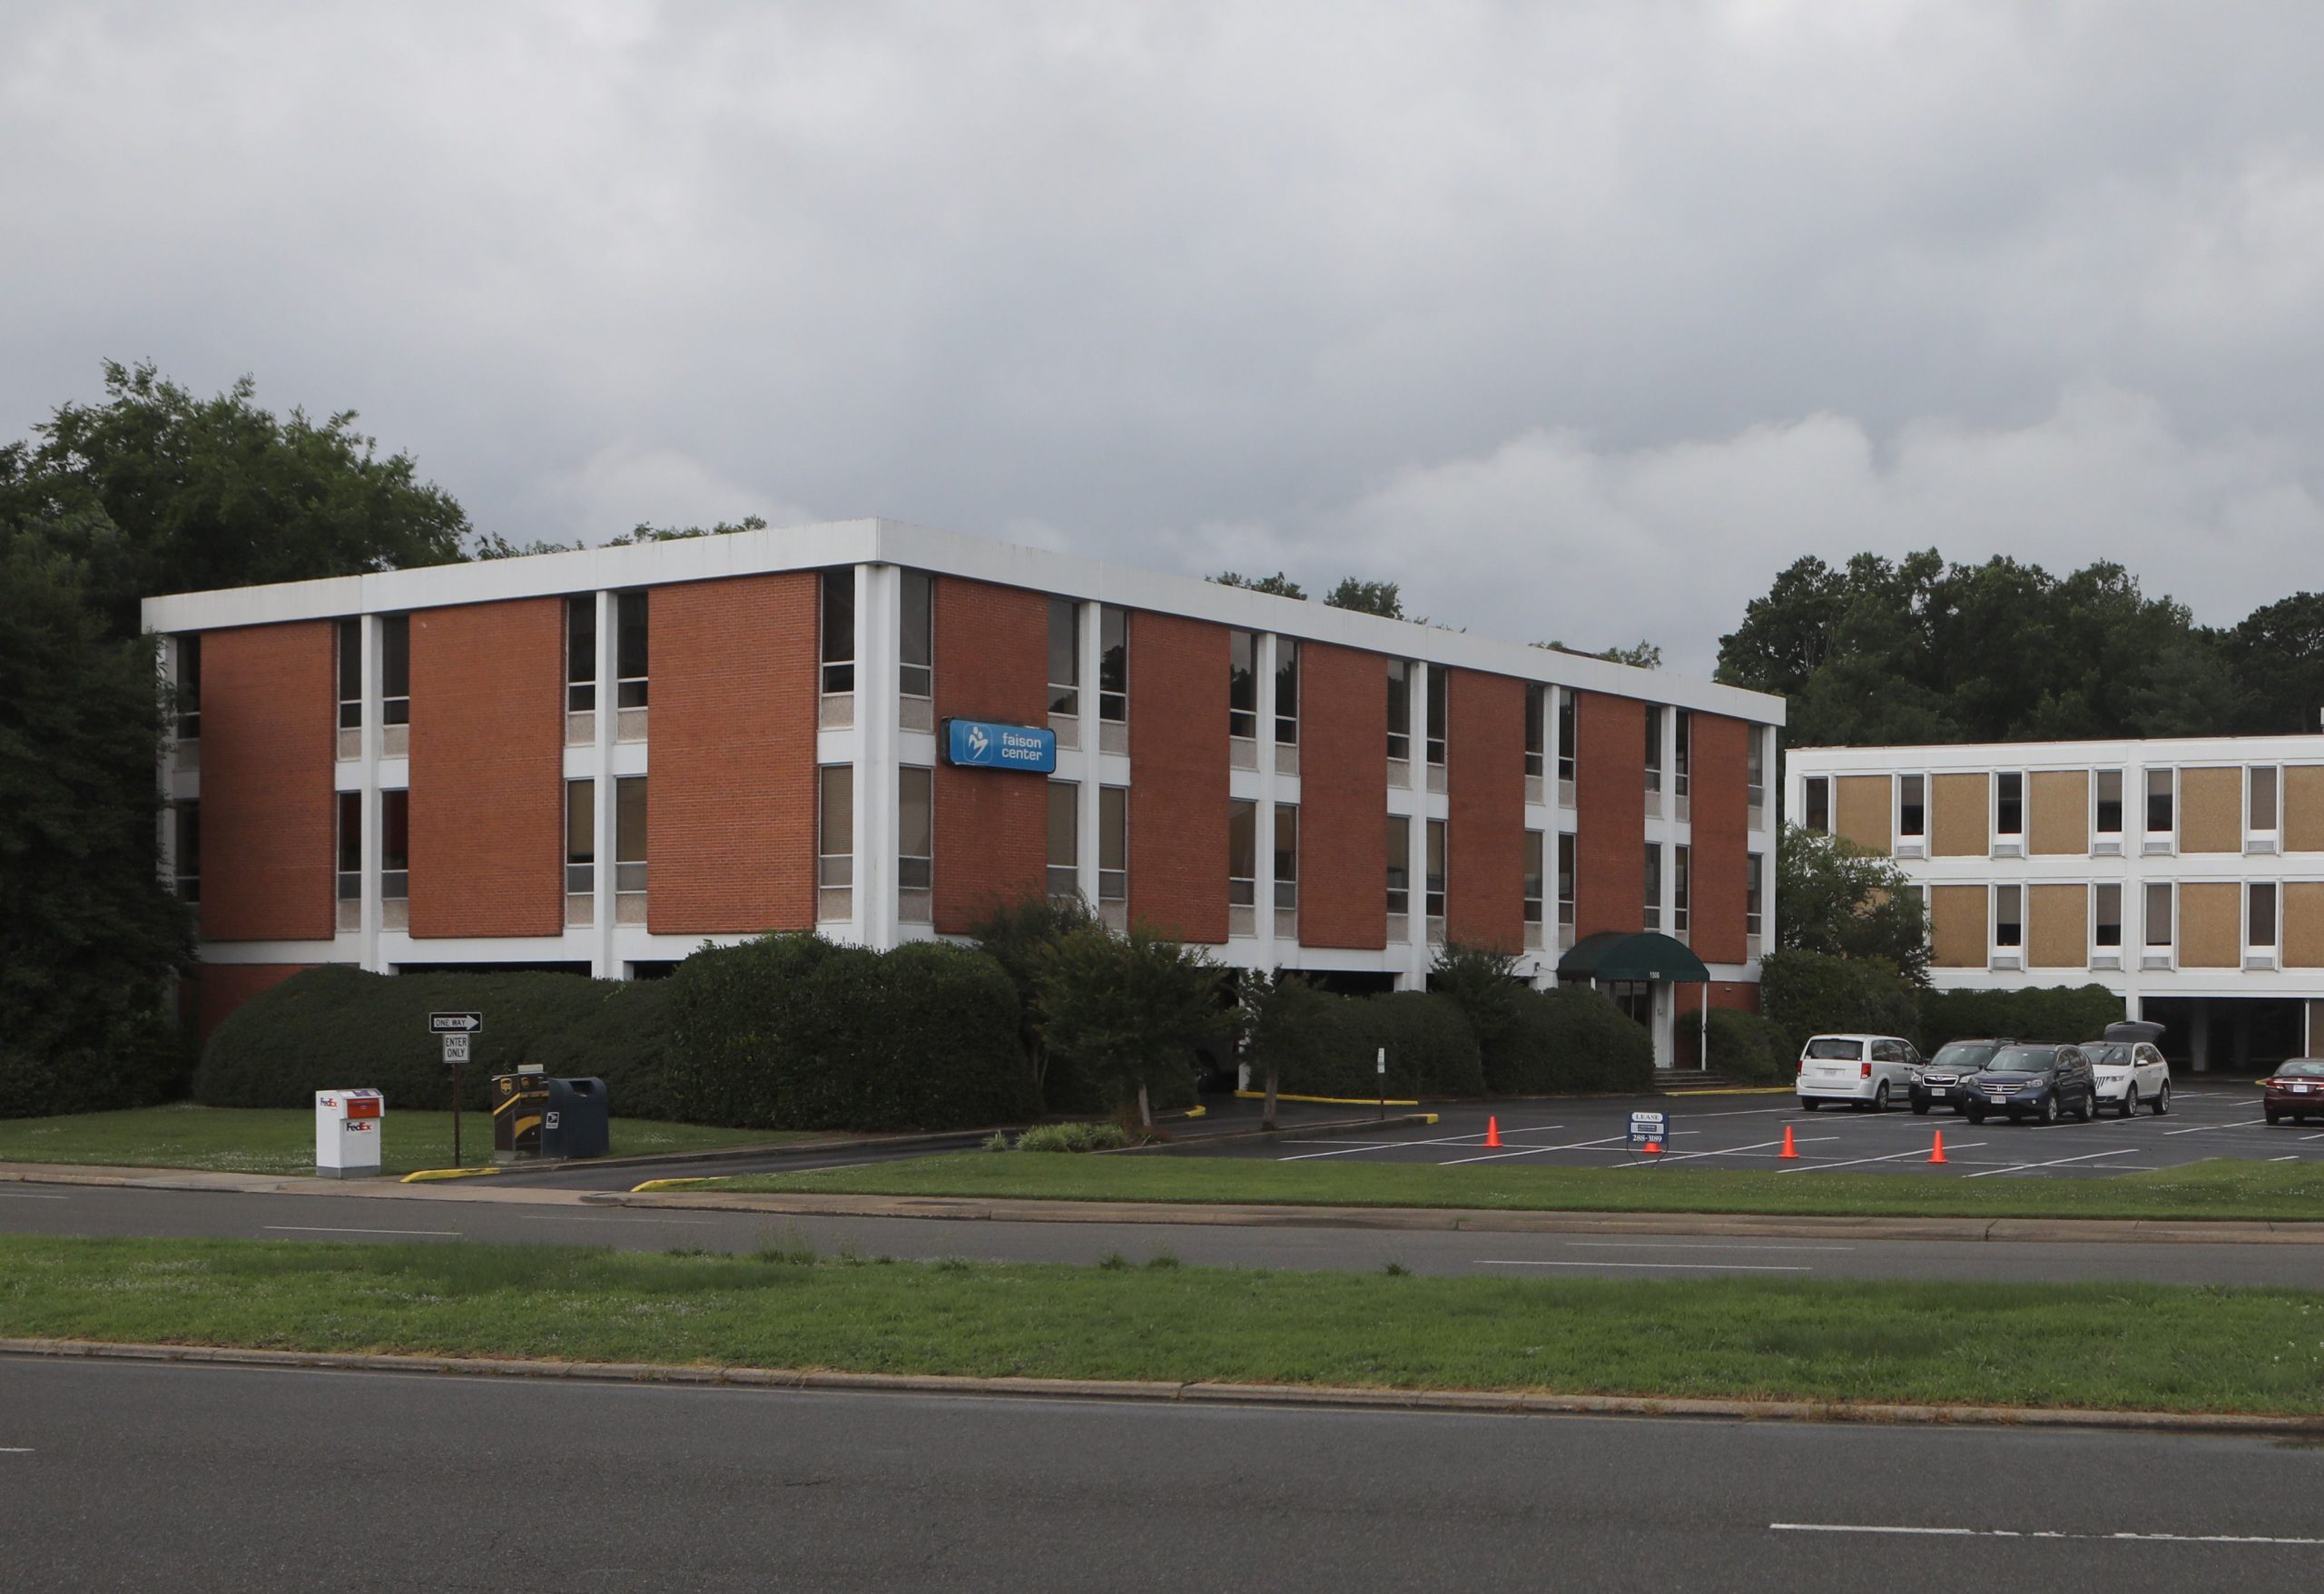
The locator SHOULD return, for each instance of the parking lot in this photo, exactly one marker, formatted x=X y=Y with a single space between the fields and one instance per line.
x=1746 y=1131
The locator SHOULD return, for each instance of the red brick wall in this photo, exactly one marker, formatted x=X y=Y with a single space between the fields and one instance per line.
x=487 y=769
x=1716 y=887
x=1609 y=814
x=220 y=987
x=268 y=815
x=1343 y=797
x=1178 y=789
x=730 y=799
x=1484 y=776
x=991 y=825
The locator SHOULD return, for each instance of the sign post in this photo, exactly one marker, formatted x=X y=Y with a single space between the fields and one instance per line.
x=1381 y=1063
x=456 y=1029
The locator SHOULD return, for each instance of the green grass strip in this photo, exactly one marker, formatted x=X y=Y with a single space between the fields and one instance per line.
x=2220 y=1188
x=2122 y=1346
x=281 y=1140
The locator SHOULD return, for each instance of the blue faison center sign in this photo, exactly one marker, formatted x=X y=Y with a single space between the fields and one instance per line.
x=980 y=744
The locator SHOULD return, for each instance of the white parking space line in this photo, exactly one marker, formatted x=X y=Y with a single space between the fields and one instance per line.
x=2312 y=1136
x=1473 y=1137
x=1693 y=1245
x=1724 y=1151
x=1659 y=1266
x=1919 y=1151
x=15 y=1449
x=308 y=1228
x=2033 y=1533
x=2294 y=1157
x=1604 y=1142
x=2059 y=1162
x=21 y=1196
x=2199 y=1128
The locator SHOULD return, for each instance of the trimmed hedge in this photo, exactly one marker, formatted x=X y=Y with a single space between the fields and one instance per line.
x=2042 y=1013
x=1743 y=1045
x=1569 y=1041
x=144 y=1061
x=1432 y=1050
x=792 y=1032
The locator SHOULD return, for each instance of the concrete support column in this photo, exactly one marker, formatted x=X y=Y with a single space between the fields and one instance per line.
x=1086 y=655
x=1416 y=952
x=879 y=629
x=1263 y=661
x=373 y=649
x=605 y=961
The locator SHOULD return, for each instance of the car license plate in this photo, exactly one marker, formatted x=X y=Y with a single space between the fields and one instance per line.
x=1997 y=1095
x=2300 y=1090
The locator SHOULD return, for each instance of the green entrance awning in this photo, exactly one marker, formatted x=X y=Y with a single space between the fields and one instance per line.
x=1616 y=954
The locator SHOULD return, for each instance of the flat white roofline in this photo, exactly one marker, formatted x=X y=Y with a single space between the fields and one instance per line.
x=943 y=553
x=2292 y=745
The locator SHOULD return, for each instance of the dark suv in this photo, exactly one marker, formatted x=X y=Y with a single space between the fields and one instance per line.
x=2037 y=1082
x=1941 y=1081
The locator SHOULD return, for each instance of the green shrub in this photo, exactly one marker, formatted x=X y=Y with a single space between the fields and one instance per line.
x=1743 y=1045
x=1432 y=1050
x=1819 y=993
x=792 y=1032
x=1073 y=1137
x=1572 y=1041
x=2042 y=1013
x=141 y=1060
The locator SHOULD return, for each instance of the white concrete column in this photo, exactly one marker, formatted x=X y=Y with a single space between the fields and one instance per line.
x=1263 y=661
x=373 y=649
x=1417 y=953
x=1088 y=652
x=879 y=630
x=605 y=958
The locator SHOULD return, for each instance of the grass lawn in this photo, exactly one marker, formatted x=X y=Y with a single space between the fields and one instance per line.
x=2213 y=1189
x=2135 y=1346
x=281 y=1140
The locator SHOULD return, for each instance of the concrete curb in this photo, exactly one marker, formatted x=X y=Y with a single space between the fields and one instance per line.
x=1323 y=1396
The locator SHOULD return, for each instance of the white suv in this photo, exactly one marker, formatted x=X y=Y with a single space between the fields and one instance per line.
x=1863 y=1070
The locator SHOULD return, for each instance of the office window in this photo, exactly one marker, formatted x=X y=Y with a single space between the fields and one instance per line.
x=1755 y=767
x=2260 y=914
x=580 y=838
x=1113 y=844
x=1653 y=886
x=1440 y=681
x=395 y=846
x=1653 y=747
x=190 y=687
x=1286 y=855
x=581 y=653
x=1912 y=805
x=2158 y=913
x=1241 y=852
x=1682 y=722
x=395 y=670
x=1399 y=708
x=1681 y=875
x=629 y=837
x=1818 y=802
x=1400 y=863
x=2159 y=821
x=2261 y=794
x=185 y=852
x=1064 y=656
x=2108 y=819
x=350 y=675
x=1565 y=877
x=1536 y=729
x=1754 y=892
x=916 y=647
x=836 y=826
x=2106 y=914
x=838 y=655
x=1534 y=860
x=1113 y=665
x=350 y=846
x=1568 y=734
x=1286 y=691
x=2009 y=915
x=1436 y=869
x=629 y=650
x=1242 y=683
x=915 y=828
x=1065 y=839
x=2009 y=803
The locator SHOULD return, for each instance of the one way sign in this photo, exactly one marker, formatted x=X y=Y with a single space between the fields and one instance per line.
x=455 y=1023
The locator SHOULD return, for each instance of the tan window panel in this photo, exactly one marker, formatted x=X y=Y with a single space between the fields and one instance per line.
x=2059 y=935
x=1958 y=927
x=2210 y=811
x=2210 y=925
x=1862 y=811
x=1961 y=820
x=2304 y=925
x=2304 y=808
x=2060 y=822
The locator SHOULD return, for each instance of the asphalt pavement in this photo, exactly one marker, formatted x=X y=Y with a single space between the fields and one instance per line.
x=226 y=1479
x=476 y=1214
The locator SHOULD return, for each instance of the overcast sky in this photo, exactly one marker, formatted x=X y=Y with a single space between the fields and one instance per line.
x=1581 y=320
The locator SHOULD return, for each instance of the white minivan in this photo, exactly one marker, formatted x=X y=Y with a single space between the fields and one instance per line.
x=1863 y=1070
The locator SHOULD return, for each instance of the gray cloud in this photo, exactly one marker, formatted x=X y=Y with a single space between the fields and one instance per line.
x=1580 y=319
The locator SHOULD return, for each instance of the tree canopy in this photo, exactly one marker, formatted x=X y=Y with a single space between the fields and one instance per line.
x=1383 y=598
x=1280 y=584
x=1835 y=899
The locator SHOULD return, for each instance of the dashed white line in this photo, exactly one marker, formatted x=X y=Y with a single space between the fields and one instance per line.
x=308 y=1228
x=1694 y=1245
x=1657 y=1266
x=26 y=1195
x=2060 y=1162
x=694 y=1223
x=2034 y=1533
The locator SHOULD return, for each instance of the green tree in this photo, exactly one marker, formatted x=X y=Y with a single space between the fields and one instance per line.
x=1642 y=656
x=1280 y=584
x=1015 y=935
x=1483 y=983
x=1834 y=899
x=1290 y=1026
x=1383 y=598
x=1128 y=1007
x=2276 y=657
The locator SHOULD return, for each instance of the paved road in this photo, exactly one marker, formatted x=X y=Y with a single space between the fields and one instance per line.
x=125 y=1476
x=79 y=1210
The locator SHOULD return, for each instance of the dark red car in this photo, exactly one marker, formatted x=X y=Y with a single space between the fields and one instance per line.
x=2295 y=1090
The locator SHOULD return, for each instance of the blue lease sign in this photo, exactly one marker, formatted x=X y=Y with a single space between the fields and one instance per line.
x=980 y=744
x=1650 y=1130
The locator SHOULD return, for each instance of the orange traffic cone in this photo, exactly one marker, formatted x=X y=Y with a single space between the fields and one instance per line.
x=1652 y=1148
x=1492 y=1131
x=1936 y=1152
x=1789 y=1152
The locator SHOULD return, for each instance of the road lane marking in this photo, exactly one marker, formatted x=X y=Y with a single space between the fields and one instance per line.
x=15 y=1449
x=2059 y=1162
x=19 y=1195
x=308 y=1228
x=1892 y=1157
x=2034 y=1533
x=1695 y=1245
x=2293 y=1157
x=695 y=1223
x=1658 y=1266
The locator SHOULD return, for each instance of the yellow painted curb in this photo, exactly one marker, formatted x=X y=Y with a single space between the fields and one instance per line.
x=1197 y=1112
x=1326 y=1101
x=426 y=1174
x=650 y=1185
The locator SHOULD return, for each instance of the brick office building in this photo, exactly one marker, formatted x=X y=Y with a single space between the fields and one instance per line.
x=600 y=760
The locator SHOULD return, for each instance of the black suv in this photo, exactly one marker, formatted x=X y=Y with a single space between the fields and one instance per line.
x=2037 y=1082
x=1938 y=1082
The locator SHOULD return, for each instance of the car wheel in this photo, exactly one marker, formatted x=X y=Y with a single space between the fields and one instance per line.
x=2130 y=1103
x=1920 y=1107
x=1880 y=1098
x=2089 y=1106
x=2050 y=1109
x=1806 y=1106
x=2275 y=1117
x=2163 y=1099
x=1974 y=1115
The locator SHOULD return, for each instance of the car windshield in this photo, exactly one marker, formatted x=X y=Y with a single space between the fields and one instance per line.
x=1966 y=1056
x=2112 y=1054
x=2306 y=1069
x=2021 y=1059
x=1836 y=1050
